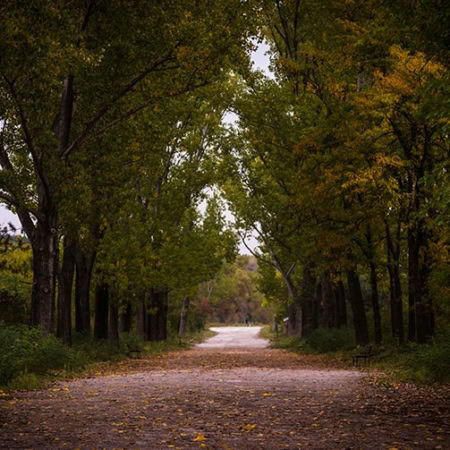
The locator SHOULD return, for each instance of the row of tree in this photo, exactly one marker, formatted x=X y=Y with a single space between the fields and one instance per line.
x=108 y=111
x=111 y=138
x=339 y=165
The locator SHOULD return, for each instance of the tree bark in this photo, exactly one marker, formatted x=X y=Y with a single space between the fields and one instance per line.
x=375 y=303
x=101 y=311
x=374 y=286
x=307 y=301
x=44 y=249
x=421 y=318
x=183 y=316
x=141 y=318
x=65 y=277
x=317 y=304
x=157 y=315
x=113 y=321
x=342 y=306
x=125 y=319
x=329 y=302
x=84 y=266
x=358 y=310
x=413 y=280
x=393 y=260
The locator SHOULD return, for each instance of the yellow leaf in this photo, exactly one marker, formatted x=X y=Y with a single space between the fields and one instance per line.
x=249 y=427
x=266 y=394
x=200 y=437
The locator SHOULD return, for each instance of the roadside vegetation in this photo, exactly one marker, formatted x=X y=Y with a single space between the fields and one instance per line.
x=412 y=363
x=29 y=360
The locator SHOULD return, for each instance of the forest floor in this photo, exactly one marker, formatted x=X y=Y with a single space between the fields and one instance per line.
x=227 y=394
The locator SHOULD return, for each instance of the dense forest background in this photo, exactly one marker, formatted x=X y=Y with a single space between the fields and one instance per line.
x=117 y=161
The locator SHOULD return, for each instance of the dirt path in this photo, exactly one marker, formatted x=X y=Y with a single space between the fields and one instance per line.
x=228 y=397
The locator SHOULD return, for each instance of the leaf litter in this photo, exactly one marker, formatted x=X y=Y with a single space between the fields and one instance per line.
x=227 y=399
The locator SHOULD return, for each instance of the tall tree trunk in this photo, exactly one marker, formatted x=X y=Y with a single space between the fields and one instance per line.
x=307 y=301
x=393 y=259
x=84 y=266
x=413 y=280
x=101 y=311
x=65 y=277
x=44 y=249
x=375 y=303
x=329 y=302
x=141 y=317
x=162 y=315
x=157 y=315
x=374 y=286
x=342 y=306
x=358 y=310
x=183 y=315
x=421 y=312
x=113 y=321
x=318 y=295
x=125 y=319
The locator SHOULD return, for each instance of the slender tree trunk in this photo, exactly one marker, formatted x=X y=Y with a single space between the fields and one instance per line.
x=84 y=267
x=421 y=312
x=393 y=258
x=342 y=306
x=113 y=321
x=141 y=317
x=183 y=315
x=317 y=304
x=295 y=312
x=65 y=276
x=157 y=315
x=375 y=304
x=413 y=280
x=359 y=312
x=307 y=301
x=101 y=311
x=125 y=319
x=374 y=286
x=44 y=249
x=162 y=315
x=329 y=302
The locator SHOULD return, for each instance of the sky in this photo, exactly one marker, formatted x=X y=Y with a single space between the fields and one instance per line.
x=260 y=61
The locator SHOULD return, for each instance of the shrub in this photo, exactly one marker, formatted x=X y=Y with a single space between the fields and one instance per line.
x=431 y=362
x=25 y=350
x=325 y=340
x=130 y=343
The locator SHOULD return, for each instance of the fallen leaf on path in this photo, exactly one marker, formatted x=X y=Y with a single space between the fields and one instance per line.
x=200 y=437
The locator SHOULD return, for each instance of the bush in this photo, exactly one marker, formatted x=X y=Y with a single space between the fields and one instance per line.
x=324 y=340
x=25 y=350
x=131 y=344
x=431 y=362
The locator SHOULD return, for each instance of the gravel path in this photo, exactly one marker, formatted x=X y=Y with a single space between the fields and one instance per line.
x=235 y=337
x=228 y=397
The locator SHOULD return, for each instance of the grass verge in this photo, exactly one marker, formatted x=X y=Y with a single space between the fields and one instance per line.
x=410 y=363
x=30 y=361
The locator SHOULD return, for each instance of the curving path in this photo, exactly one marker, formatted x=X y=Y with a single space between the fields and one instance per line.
x=227 y=393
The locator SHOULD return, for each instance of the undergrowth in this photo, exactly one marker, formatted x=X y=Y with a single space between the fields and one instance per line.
x=28 y=360
x=427 y=363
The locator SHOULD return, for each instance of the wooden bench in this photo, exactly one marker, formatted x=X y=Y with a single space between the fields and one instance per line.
x=363 y=356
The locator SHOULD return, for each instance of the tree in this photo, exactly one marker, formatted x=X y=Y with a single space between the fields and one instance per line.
x=70 y=72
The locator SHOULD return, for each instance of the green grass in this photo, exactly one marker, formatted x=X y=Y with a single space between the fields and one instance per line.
x=412 y=363
x=29 y=360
